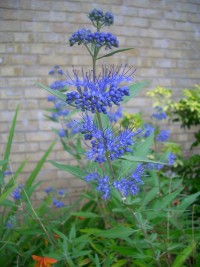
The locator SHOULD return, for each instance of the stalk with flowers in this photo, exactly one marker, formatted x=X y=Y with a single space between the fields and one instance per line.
x=117 y=158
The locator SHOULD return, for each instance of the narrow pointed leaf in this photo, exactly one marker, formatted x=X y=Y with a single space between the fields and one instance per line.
x=38 y=167
x=56 y=93
x=114 y=52
x=182 y=256
x=134 y=89
x=9 y=143
x=75 y=170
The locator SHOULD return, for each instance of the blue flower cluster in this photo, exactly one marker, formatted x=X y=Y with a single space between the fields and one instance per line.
x=98 y=95
x=57 y=203
x=98 y=17
x=148 y=130
x=58 y=85
x=163 y=136
x=102 y=183
x=129 y=185
x=98 y=39
x=171 y=158
x=108 y=143
x=115 y=116
x=160 y=114
x=62 y=133
x=16 y=194
x=126 y=186
x=56 y=70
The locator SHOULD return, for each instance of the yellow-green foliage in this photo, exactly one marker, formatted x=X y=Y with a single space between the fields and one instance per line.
x=131 y=120
x=161 y=97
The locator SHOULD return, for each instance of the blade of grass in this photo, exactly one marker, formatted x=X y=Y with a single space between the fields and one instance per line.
x=9 y=143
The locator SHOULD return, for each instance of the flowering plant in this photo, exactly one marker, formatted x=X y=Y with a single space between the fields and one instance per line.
x=109 y=147
x=148 y=227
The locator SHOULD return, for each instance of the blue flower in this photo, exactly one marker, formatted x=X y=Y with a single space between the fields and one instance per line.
x=49 y=189
x=58 y=85
x=153 y=166
x=137 y=173
x=57 y=203
x=160 y=115
x=126 y=187
x=74 y=126
x=148 y=130
x=61 y=192
x=7 y=173
x=98 y=39
x=163 y=135
x=51 y=98
x=115 y=116
x=9 y=224
x=16 y=194
x=171 y=158
x=130 y=185
x=60 y=71
x=98 y=17
x=63 y=113
x=104 y=92
x=51 y=72
x=108 y=143
x=102 y=183
x=62 y=133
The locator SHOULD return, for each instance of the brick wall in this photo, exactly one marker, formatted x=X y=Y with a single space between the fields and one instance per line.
x=33 y=38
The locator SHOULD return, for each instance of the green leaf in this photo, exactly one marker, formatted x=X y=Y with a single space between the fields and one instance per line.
x=9 y=143
x=85 y=214
x=182 y=256
x=38 y=167
x=123 y=250
x=117 y=232
x=6 y=193
x=56 y=93
x=141 y=150
x=2 y=162
x=163 y=202
x=187 y=201
x=119 y=263
x=116 y=51
x=139 y=159
x=134 y=89
x=75 y=170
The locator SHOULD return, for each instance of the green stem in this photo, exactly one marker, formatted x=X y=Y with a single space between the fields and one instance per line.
x=145 y=235
x=98 y=114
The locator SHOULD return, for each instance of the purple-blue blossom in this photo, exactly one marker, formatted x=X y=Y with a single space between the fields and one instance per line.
x=163 y=136
x=102 y=183
x=49 y=189
x=16 y=194
x=99 y=18
x=57 y=203
x=160 y=114
x=62 y=133
x=102 y=93
x=58 y=85
x=148 y=130
x=115 y=116
x=171 y=158
x=109 y=143
x=51 y=98
x=61 y=192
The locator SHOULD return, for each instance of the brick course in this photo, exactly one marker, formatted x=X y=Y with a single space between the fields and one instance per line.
x=33 y=38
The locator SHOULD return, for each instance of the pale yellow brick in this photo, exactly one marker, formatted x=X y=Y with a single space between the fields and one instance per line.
x=39 y=136
x=11 y=71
